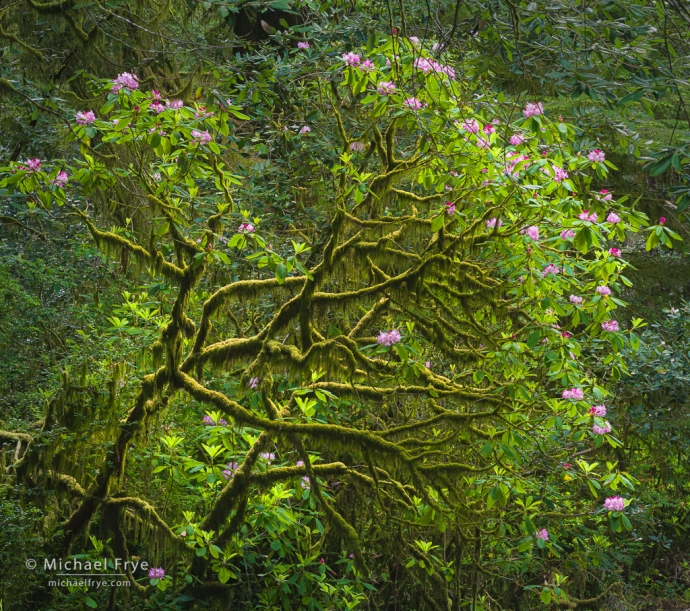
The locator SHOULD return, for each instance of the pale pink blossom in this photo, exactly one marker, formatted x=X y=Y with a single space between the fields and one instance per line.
x=483 y=143
x=85 y=117
x=229 y=473
x=385 y=88
x=610 y=325
x=573 y=393
x=61 y=179
x=305 y=129
x=604 y=290
x=302 y=44
x=596 y=155
x=532 y=232
x=269 y=457
x=470 y=125
x=201 y=137
x=357 y=146
x=412 y=103
x=367 y=66
x=33 y=165
x=601 y=430
x=175 y=104
x=254 y=383
x=388 y=338
x=586 y=216
x=598 y=410
x=567 y=233
x=615 y=503
x=559 y=174
x=493 y=222
x=450 y=208
x=615 y=252
x=575 y=299
x=532 y=109
x=543 y=534
x=157 y=107
x=550 y=269
x=429 y=65
x=605 y=195
x=351 y=59
x=613 y=218
x=158 y=573
x=245 y=228
x=517 y=140
x=489 y=128
x=127 y=80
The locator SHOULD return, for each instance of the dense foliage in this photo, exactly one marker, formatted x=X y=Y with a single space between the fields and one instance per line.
x=344 y=306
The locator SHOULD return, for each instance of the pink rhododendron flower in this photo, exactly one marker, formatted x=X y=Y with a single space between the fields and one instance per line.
x=208 y=421
x=601 y=430
x=598 y=410
x=532 y=232
x=385 y=88
x=566 y=335
x=245 y=228
x=158 y=573
x=305 y=129
x=575 y=299
x=605 y=195
x=305 y=483
x=493 y=222
x=573 y=393
x=268 y=456
x=367 y=66
x=615 y=252
x=662 y=220
x=351 y=59
x=450 y=208
x=586 y=216
x=175 y=104
x=127 y=80
x=61 y=179
x=302 y=44
x=559 y=174
x=412 y=103
x=543 y=534
x=429 y=65
x=615 y=503
x=516 y=140
x=356 y=146
x=483 y=143
x=532 y=109
x=33 y=165
x=157 y=107
x=489 y=128
x=610 y=325
x=604 y=290
x=201 y=137
x=85 y=117
x=388 y=338
x=254 y=383
x=414 y=40
x=613 y=218
x=596 y=155
x=550 y=269
x=470 y=125
x=567 y=233
x=229 y=473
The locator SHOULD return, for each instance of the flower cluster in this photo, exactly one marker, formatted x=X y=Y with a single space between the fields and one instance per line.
x=254 y=383
x=613 y=218
x=586 y=216
x=85 y=117
x=532 y=109
x=32 y=165
x=494 y=222
x=158 y=573
x=351 y=59
x=127 y=80
x=615 y=252
x=302 y=44
x=604 y=290
x=615 y=503
x=201 y=137
x=598 y=410
x=542 y=534
x=610 y=325
x=429 y=65
x=605 y=195
x=413 y=103
x=596 y=155
x=357 y=146
x=305 y=129
x=269 y=457
x=157 y=107
x=575 y=299
x=245 y=228
x=470 y=125
x=516 y=140
x=385 y=87
x=601 y=430
x=388 y=338
x=573 y=393
x=450 y=208
x=559 y=174
x=532 y=232
x=550 y=269
x=567 y=233
x=61 y=179
x=229 y=473
x=175 y=104
x=367 y=66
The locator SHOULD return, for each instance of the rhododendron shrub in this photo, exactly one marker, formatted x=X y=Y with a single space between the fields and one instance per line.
x=332 y=379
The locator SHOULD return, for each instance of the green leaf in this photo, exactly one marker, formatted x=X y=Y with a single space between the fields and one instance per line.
x=437 y=223
x=90 y=602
